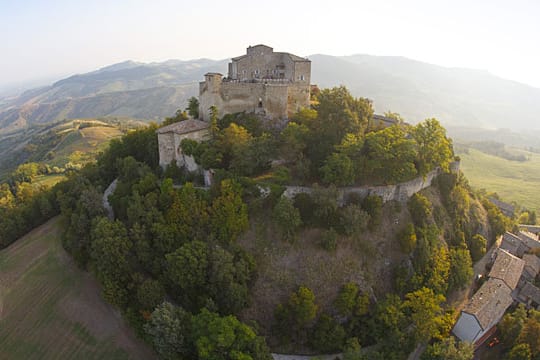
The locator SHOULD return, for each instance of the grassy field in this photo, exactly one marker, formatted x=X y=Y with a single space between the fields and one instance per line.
x=512 y=180
x=49 y=309
x=48 y=180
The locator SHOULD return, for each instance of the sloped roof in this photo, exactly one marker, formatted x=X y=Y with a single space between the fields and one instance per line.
x=507 y=268
x=510 y=242
x=532 y=262
x=184 y=127
x=490 y=302
x=530 y=291
x=529 y=239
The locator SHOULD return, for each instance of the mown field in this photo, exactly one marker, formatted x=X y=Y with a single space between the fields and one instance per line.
x=49 y=309
x=512 y=180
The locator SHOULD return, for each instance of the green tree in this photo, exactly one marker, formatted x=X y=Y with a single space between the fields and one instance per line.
x=193 y=107
x=390 y=155
x=224 y=338
x=327 y=336
x=447 y=349
x=354 y=220
x=228 y=213
x=188 y=269
x=510 y=326
x=372 y=204
x=461 y=271
x=110 y=256
x=150 y=294
x=434 y=148
x=169 y=332
x=287 y=218
x=520 y=352
x=338 y=169
x=407 y=238
x=424 y=310
x=420 y=208
x=178 y=116
x=477 y=246
x=297 y=313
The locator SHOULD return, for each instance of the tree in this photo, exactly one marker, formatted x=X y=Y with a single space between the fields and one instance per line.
x=169 y=332
x=287 y=218
x=390 y=155
x=477 y=246
x=338 y=169
x=407 y=239
x=110 y=256
x=178 y=116
x=372 y=204
x=420 y=208
x=297 y=313
x=447 y=349
x=228 y=213
x=510 y=326
x=354 y=220
x=327 y=336
x=461 y=270
x=188 y=269
x=434 y=148
x=150 y=294
x=193 y=107
x=520 y=352
x=349 y=302
x=423 y=308
x=224 y=338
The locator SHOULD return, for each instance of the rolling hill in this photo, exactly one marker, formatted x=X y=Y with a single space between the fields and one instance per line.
x=50 y=309
x=417 y=90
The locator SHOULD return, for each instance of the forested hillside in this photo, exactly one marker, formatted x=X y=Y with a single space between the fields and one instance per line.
x=236 y=269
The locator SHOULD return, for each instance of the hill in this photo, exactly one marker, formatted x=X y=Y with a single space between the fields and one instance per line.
x=515 y=181
x=50 y=309
x=61 y=144
x=417 y=90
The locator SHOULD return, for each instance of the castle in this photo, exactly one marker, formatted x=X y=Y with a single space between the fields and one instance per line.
x=271 y=84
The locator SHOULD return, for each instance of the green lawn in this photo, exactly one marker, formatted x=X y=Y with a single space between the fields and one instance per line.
x=49 y=309
x=512 y=180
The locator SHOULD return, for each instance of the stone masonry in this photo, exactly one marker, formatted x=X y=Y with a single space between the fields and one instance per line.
x=272 y=84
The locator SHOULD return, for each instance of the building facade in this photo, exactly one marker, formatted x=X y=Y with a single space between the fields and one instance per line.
x=272 y=84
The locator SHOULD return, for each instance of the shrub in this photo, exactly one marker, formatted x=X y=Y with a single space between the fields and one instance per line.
x=420 y=209
x=287 y=218
x=477 y=246
x=407 y=239
x=373 y=205
x=329 y=240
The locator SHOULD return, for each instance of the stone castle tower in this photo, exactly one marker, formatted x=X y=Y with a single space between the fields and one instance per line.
x=272 y=84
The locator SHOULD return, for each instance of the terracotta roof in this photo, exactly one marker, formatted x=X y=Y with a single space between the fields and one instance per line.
x=532 y=262
x=184 y=127
x=490 y=302
x=507 y=268
x=529 y=291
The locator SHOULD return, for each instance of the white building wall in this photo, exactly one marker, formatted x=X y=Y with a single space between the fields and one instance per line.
x=467 y=328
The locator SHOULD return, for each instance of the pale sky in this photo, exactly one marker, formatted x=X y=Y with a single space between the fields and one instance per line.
x=55 y=38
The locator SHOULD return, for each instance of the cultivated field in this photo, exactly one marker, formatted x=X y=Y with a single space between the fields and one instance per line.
x=49 y=309
x=512 y=180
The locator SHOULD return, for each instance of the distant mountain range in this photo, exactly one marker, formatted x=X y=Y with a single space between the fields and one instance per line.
x=416 y=90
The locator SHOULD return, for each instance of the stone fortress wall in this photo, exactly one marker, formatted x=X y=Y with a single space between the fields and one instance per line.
x=399 y=192
x=272 y=84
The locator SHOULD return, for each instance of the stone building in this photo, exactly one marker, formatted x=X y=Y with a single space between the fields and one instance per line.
x=171 y=136
x=478 y=319
x=272 y=84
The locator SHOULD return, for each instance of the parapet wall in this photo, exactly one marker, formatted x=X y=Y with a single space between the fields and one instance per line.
x=399 y=192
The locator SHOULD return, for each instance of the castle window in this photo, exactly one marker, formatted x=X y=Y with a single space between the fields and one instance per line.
x=260 y=103
x=302 y=77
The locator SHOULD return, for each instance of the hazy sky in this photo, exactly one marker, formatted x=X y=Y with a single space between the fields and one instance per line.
x=53 y=38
